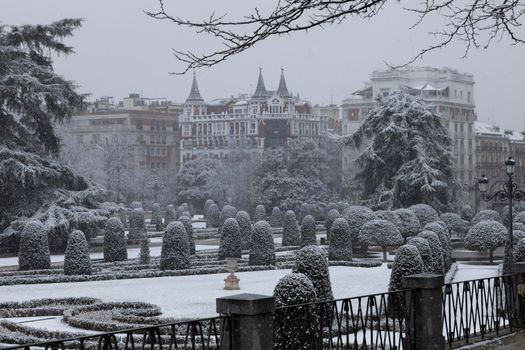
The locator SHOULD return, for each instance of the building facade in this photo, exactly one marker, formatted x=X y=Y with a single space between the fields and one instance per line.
x=449 y=92
x=264 y=119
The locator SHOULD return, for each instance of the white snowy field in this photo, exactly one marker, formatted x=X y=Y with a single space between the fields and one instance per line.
x=470 y=272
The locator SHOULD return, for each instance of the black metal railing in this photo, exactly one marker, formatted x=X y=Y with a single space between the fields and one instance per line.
x=376 y=321
x=479 y=309
x=202 y=334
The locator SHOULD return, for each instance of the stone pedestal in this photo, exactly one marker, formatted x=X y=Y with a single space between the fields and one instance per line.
x=231 y=282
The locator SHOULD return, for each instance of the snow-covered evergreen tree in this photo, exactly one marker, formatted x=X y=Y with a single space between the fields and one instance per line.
x=436 y=249
x=467 y=213
x=207 y=204
x=308 y=231
x=340 y=248
x=135 y=205
x=486 y=235
x=262 y=250
x=291 y=232
x=227 y=212
x=484 y=215
x=230 y=245
x=455 y=224
x=245 y=226
x=114 y=241
x=409 y=157
x=439 y=228
x=519 y=251
x=137 y=225
x=156 y=216
x=381 y=233
x=33 y=251
x=330 y=218
x=298 y=323
x=175 y=251
x=517 y=208
x=423 y=248
x=188 y=226
x=144 y=254
x=171 y=214
x=357 y=216
x=192 y=180
x=276 y=218
x=213 y=216
x=342 y=206
x=259 y=214
x=520 y=218
x=407 y=262
x=425 y=213
x=409 y=223
x=388 y=215
x=312 y=261
x=76 y=258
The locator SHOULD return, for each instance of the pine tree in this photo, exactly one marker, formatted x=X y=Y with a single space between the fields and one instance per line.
x=76 y=258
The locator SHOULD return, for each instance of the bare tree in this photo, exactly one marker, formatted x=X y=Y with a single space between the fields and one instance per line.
x=475 y=22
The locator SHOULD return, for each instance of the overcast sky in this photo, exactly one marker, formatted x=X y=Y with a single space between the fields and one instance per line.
x=121 y=50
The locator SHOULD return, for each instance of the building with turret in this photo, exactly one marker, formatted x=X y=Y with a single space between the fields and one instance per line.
x=252 y=122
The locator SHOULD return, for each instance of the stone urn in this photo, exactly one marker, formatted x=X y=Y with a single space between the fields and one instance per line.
x=231 y=282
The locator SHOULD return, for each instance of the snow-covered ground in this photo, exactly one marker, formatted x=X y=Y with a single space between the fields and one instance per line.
x=470 y=272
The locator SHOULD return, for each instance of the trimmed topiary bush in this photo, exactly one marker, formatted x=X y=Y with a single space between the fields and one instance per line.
x=259 y=214
x=520 y=218
x=144 y=254
x=171 y=214
x=227 y=212
x=423 y=247
x=519 y=251
x=213 y=216
x=175 y=251
x=230 y=246
x=76 y=257
x=304 y=211
x=436 y=250
x=330 y=218
x=340 y=248
x=33 y=251
x=517 y=235
x=439 y=228
x=311 y=261
x=342 y=206
x=123 y=216
x=245 y=225
x=262 y=251
x=298 y=323
x=276 y=219
x=114 y=241
x=330 y=206
x=380 y=233
x=455 y=224
x=485 y=215
x=486 y=235
x=308 y=231
x=517 y=208
x=135 y=205
x=389 y=215
x=137 y=228
x=425 y=213
x=357 y=216
x=467 y=213
x=207 y=205
x=409 y=223
x=188 y=226
x=156 y=216
x=291 y=232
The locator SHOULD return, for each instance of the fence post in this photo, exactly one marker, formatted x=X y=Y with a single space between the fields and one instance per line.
x=426 y=319
x=519 y=270
x=252 y=321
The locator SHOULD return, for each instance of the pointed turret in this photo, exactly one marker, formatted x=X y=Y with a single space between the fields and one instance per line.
x=260 y=91
x=282 y=91
x=195 y=95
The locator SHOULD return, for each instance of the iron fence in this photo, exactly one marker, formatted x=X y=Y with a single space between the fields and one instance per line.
x=202 y=334
x=479 y=309
x=378 y=321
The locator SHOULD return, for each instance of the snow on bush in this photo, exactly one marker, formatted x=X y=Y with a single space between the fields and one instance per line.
x=340 y=248
x=331 y=206
x=455 y=224
x=298 y=323
x=156 y=216
x=259 y=214
x=122 y=215
x=171 y=214
x=330 y=218
x=485 y=215
x=276 y=219
x=144 y=254
x=357 y=216
x=517 y=235
x=262 y=250
x=227 y=212
x=304 y=211
x=137 y=227
x=308 y=231
x=389 y=215
x=520 y=218
x=425 y=213
x=439 y=228
x=486 y=235
x=230 y=246
x=342 y=206
x=311 y=261
x=213 y=216
x=438 y=266
x=188 y=226
x=467 y=213
x=207 y=205
x=291 y=233
x=34 y=247
x=409 y=223
x=423 y=247
x=184 y=207
x=519 y=251
x=245 y=225
x=317 y=210
x=381 y=233
x=114 y=241
x=175 y=251
x=517 y=208
x=76 y=257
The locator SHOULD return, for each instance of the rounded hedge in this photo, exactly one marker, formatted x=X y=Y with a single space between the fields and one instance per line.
x=137 y=228
x=438 y=265
x=171 y=214
x=407 y=262
x=486 y=235
x=114 y=241
x=304 y=211
x=330 y=218
x=308 y=231
x=245 y=225
x=175 y=251
x=156 y=216
x=423 y=247
x=485 y=215
x=213 y=216
x=519 y=251
x=409 y=223
x=188 y=226
x=381 y=233
x=357 y=216
x=311 y=261
x=276 y=218
x=207 y=204
x=425 y=213
x=389 y=215
x=262 y=251
x=230 y=246
x=227 y=212
x=33 y=253
x=76 y=258
x=291 y=232
x=441 y=231
x=342 y=206
x=144 y=254
x=455 y=224
x=340 y=248
x=135 y=205
x=467 y=213
x=520 y=218
x=259 y=214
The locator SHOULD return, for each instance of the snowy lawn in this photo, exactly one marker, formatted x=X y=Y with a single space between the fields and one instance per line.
x=468 y=272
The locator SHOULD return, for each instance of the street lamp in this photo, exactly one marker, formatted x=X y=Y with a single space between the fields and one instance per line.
x=509 y=193
x=155 y=184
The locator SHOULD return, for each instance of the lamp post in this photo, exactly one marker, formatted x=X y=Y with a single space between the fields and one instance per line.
x=509 y=193
x=155 y=184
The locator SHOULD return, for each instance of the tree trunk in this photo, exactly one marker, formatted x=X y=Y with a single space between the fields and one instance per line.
x=491 y=255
